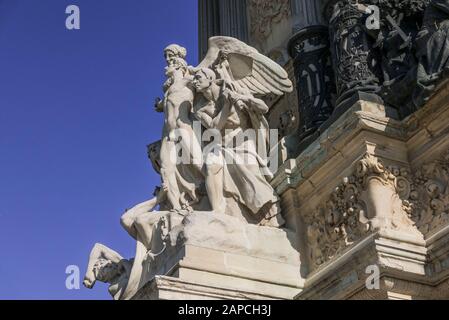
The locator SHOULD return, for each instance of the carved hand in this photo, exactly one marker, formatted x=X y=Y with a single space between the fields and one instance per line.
x=158 y=105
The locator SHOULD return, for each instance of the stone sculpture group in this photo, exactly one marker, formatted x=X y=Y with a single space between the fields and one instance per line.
x=227 y=174
x=213 y=156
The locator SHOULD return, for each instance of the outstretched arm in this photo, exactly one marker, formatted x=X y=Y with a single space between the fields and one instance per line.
x=220 y=120
x=256 y=104
x=98 y=252
x=204 y=117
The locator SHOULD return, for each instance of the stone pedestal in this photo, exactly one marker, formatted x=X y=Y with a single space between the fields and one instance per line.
x=370 y=199
x=213 y=256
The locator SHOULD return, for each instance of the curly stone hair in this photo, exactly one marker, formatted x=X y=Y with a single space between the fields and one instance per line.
x=179 y=51
x=105 y=270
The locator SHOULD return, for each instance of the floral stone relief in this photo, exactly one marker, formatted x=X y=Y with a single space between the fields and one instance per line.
x=379 y=197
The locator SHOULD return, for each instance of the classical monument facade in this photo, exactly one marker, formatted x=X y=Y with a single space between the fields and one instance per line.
x=348 y=198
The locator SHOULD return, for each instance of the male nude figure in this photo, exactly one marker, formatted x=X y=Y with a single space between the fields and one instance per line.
x=180 y=181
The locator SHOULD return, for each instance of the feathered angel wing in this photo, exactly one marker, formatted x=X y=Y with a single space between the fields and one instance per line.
x=246 y=67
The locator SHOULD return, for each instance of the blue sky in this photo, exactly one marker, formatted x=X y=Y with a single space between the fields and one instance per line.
x=76 y=114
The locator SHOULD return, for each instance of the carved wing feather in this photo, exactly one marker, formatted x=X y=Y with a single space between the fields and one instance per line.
x=252 y=87
x=258 y=87
x=247 y=67
x=267 y=80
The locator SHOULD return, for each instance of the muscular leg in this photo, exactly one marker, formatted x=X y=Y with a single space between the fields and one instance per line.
x=168 y=167
x=191 y=149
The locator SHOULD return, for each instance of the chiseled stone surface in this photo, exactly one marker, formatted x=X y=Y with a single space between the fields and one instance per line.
x=169 y=288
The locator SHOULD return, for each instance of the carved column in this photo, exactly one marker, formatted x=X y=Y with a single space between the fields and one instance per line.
x=354 y=60
x=309 y=47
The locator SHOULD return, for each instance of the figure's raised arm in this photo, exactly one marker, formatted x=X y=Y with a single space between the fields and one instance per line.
x=98 y=254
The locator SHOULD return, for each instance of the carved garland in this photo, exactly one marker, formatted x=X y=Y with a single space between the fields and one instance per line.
x=428 y=200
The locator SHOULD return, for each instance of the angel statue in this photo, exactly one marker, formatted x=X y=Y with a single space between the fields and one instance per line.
x=227 y=175
x=230 y=82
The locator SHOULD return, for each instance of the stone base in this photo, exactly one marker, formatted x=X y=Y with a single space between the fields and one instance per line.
x=405 y=266
x=219 y=257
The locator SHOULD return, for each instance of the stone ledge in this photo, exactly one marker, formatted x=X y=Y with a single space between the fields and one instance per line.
x=423 y=128
x=407 y=267
x=363 y=116
x=170 y=288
